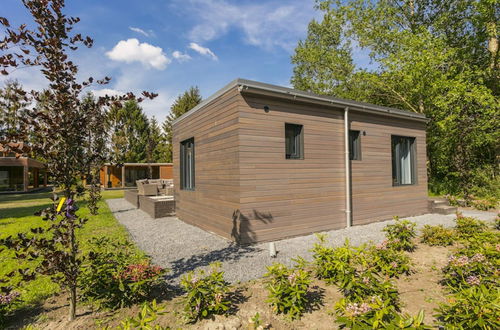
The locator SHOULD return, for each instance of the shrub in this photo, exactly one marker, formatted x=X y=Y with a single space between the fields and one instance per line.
x=484 y=204
x=7 y=299
x=366 y=284
x=374 y=313
x=400 y=235
x=115 y=276
x=464 y=271
x=390 y=262
x=468 y=226
x=206 y=293
x=475 y=307
x=288 y=288
x=496 y=225
x=437 y=235
x=144 y=320
x=334 y=265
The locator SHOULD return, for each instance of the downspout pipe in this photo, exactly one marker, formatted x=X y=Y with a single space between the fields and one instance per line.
x=347 y=169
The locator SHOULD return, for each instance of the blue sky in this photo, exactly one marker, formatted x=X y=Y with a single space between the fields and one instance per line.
x=166 y=46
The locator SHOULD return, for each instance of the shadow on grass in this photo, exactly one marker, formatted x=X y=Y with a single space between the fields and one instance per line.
x=20 y=212
x=232 y=252
x=25 y=196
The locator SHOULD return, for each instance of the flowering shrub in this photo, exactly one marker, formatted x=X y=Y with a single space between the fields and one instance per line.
x=484 y=204
x=288 y=288
x=401 y=234
x=369 y=284
x=475 y=307
x=334 y=265
x=206 y=293
x=468 y=226
x=374 y=313
x=115 y=276
x=437 y=235
x=144 y=320
x=496 y=225
x=390 y=262
x=7 y=299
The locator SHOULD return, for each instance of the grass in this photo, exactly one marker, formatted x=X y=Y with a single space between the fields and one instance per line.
x=16 y=216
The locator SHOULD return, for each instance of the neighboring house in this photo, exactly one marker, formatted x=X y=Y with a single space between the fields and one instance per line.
x=124 y=176
x=257 y=162
x=21 y=174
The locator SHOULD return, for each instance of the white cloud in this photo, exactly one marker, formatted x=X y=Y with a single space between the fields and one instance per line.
x=132 y=50
x=203 y=50
x=106 y=91
x=180 y=56
x=139 y=30
x=271 y=24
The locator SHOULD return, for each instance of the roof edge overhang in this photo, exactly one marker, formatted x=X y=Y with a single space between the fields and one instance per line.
x=254 y=87
x=140 y=164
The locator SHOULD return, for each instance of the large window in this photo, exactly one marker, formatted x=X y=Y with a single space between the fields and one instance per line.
x=354 y=145
x=294 y=141
x=187 y=164
x=403 y=160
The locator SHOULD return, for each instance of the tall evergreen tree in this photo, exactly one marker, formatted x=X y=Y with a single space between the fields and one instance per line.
x=434 y=57
x=157 y=147
x=184 y=102
x=130 y=133
x=13 y=106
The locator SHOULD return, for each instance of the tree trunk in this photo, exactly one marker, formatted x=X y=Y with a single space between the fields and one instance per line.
x=72 y=303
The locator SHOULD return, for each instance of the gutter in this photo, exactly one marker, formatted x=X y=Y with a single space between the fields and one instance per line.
x=347 y=169
x=244 y=85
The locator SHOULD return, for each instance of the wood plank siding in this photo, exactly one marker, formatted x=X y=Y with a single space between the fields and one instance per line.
x=216 y=196
x=247 y=190
x=374 y=198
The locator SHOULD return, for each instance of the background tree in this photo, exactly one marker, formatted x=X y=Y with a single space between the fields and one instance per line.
x=439 y=58
x=57 y=121
x=184 y=102
x=157 y=143
x=130 y=137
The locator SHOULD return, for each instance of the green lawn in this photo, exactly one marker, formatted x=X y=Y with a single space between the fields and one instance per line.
x=16 y=215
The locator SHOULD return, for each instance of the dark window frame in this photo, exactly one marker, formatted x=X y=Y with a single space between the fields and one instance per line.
x=187 y=171
x=298 y=141
x=354 y=145
x=396 y=166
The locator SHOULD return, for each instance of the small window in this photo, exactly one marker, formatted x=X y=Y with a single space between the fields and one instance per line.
x=403 y=160
x=187 y=164
x=294 y=141
x=354 y=145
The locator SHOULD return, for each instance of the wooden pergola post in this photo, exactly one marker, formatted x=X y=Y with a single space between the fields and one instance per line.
x=26 y=176
x=123 y=176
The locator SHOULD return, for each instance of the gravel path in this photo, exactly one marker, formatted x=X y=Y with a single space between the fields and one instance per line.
x=180 y=247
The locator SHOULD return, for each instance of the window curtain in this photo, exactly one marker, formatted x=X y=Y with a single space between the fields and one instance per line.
x=405 y=159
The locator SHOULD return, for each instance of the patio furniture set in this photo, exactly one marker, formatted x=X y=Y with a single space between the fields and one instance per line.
x=155 y=197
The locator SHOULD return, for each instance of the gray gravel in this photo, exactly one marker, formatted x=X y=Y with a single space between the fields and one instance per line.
x=180 y=247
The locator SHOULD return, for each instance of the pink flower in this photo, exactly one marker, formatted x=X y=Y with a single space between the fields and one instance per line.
x=6 y=299
x=478 y=257
x=366 y=280
x=292 y=278
x=354 y=309
x=394 y=264
x=382 y=246
x=473 y=280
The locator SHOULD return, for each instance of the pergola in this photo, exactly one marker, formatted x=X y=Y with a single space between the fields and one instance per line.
x=125 y=175
x=21 y=174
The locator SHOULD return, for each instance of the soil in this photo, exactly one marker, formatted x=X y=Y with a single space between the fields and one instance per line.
x=420 y=290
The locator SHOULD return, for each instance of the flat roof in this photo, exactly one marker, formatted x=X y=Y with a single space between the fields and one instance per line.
x=139 y=164
x=245 y=85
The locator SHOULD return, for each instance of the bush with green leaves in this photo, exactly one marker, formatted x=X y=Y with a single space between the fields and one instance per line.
x=401 y=234
x=365 y=284
x=288 y=288
x=475 y=307
x=8 y=299
x=496 y=224
x=206 y=293
x=387 y=261
x=374 y=313
x=114 y=275
x=485 y=204
x=334 y=265
x=144 y=320
x=438 y=235
x=468 y=226
x=463 y=271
